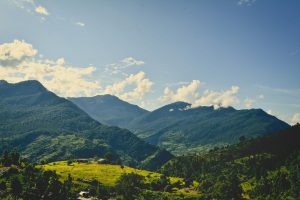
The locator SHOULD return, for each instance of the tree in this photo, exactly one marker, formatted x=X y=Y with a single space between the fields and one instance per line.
x=3 y=185
x=16 y=187
x=130 y=185
x=15 y=157
x=108 y=157
x=102 y=192
x=242 y=139
x=6 y=159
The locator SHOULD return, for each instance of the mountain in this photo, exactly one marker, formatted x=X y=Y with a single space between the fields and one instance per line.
x=181 y=129
x=262 y=168
x=45 y=127
x=109 y=109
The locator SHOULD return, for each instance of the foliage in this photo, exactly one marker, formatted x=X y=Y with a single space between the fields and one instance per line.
x=180 y=129
x=45 y=127
x=130 y=185
x=29 y=183
x=262 y=168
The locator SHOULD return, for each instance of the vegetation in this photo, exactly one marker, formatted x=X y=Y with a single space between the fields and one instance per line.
x=123 y=179
x=262 y=168
x=180 y=130
x=45 y=127
x=21 y=180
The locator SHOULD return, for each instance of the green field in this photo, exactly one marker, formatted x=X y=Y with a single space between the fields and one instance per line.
x=107 y=174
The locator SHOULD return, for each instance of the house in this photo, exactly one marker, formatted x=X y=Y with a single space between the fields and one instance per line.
x=82 y=160
x=101 y=161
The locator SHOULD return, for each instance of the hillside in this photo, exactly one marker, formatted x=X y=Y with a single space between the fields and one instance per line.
x=109 y=109
x=180 y=129
x=45 y=127
x=261 y=168
x=84 y=174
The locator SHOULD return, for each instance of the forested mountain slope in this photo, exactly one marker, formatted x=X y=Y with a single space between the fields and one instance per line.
x=261 y=168
x=181 y=129
x=46 y=127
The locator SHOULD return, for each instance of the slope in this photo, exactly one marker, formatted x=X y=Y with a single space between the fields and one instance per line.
x=261 y=168
x=180 y=129
x=45 y=127
x=109 y=109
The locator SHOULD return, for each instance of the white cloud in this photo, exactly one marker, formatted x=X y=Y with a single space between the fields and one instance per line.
x=60 y=61
x=184 y=93
x=20 y=63
x=246 y=2
x=141 y=85
x=189 y=93
x=218 y=99
x=295 y=118
x=248 y=102
x=80 y=24
x=270 y=112
x=16 y=51
x=41 y=10
x=118 y=67
x=31 y=7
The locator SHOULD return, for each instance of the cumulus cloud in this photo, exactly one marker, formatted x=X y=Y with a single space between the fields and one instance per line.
x=15 y=52
x=116 y=68
x=80 y=24
x=141 y=86
x=41 y=10
x=189 y=93
x=248 y=102
x=184 y=93
x=295 y=118
x=19 y=63
x=218 y=99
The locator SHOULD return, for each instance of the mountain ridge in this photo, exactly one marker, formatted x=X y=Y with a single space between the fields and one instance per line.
x=45 y=127
x=109 y=109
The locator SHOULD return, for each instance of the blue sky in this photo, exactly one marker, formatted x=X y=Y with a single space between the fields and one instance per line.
x=244 y=53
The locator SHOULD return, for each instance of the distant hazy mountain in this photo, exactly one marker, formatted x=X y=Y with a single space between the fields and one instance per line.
x=180 y=129
x=46 y=127
x=109 y=109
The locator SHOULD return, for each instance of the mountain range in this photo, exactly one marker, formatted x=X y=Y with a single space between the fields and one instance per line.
x=45 y=127
x=181 y=129
x=109 y=109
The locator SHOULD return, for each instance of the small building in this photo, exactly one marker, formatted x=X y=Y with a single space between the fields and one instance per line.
x=82 y=160
x=101 y=161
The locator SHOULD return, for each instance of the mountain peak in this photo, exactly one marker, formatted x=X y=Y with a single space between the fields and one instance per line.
x=3 y=82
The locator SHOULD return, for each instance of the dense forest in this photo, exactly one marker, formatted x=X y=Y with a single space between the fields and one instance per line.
x=261 y=168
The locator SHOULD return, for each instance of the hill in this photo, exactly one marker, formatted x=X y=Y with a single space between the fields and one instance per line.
x=261 y=168
x=84 y=174
x=45 y=127
x=181 y=129
x=109 y=109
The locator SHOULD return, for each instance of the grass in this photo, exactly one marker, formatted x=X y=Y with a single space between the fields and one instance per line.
x=106 y=174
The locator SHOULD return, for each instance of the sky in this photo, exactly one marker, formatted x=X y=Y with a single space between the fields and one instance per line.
x=240 y=53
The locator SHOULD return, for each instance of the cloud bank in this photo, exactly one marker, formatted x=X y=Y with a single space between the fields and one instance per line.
x=18 y=62
x=190 y=93
x=141 y=85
